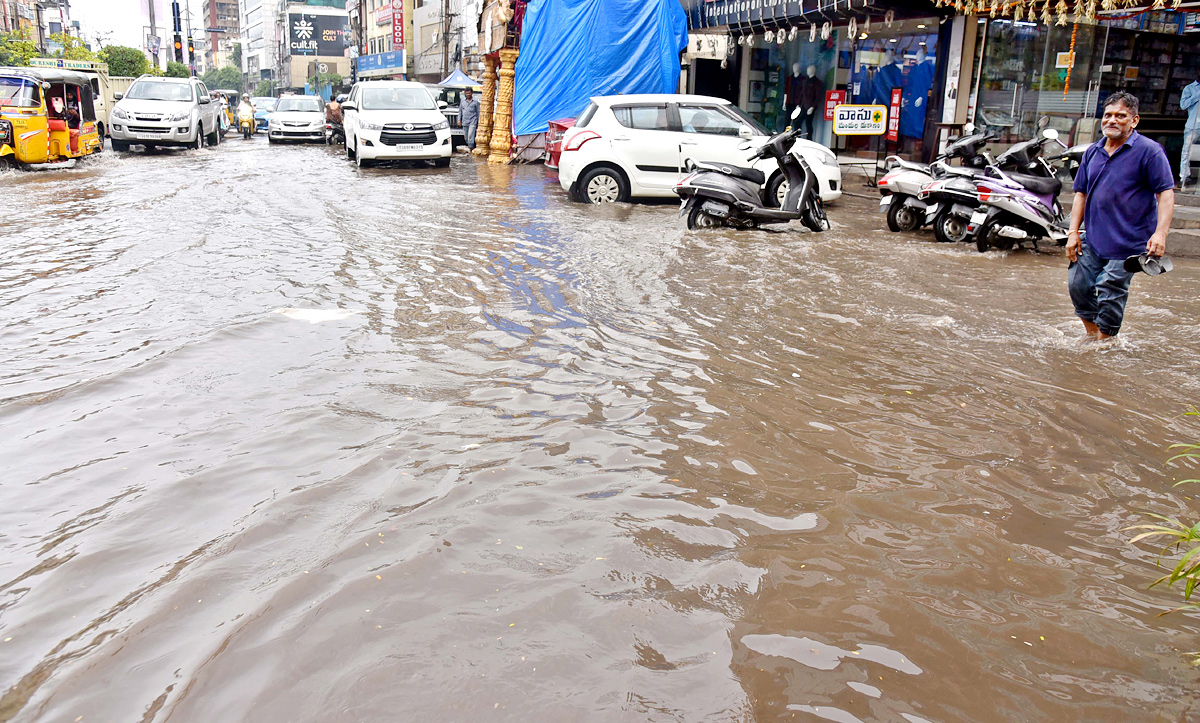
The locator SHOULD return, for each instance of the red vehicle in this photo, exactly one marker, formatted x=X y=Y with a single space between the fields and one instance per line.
x=554 y=140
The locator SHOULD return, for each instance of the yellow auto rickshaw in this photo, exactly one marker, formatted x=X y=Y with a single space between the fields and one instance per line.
x=47 y=116
x=229 y=107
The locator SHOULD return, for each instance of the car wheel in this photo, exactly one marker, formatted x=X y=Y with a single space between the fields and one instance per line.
x=120 y=146
x=199 y=142
x=949 y=228
x=901 y=217
x=603 y=185
x=442 y=163
x=360 y=161
x=777 y=190
x=270 y=140
x=350 y=154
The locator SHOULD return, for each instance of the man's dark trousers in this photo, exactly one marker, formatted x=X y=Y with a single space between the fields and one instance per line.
x=1099 y=289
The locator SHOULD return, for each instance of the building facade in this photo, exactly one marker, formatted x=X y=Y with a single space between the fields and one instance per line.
x=221 y=30
x=17 y=15
x=446 y=37
x=314 y=39
x=257 y=30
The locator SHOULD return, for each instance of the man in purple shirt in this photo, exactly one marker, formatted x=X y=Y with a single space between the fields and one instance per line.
x=1124 y=197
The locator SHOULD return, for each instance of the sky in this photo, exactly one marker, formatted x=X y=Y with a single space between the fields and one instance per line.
x=126 y=19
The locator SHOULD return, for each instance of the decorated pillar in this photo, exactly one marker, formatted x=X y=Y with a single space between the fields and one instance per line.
x=502 y=123
x=483 y=134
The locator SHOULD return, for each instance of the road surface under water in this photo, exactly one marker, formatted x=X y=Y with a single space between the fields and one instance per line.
x=289 y=441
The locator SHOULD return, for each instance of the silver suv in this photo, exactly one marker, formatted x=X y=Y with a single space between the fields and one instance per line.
x=158 y=111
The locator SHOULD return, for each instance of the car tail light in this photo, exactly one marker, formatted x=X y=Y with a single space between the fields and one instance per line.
x=579 y=139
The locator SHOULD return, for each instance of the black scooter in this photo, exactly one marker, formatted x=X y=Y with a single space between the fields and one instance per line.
x=721 y=194
x=335 y=134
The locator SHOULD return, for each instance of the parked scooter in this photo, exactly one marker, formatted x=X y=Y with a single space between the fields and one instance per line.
x=901 y=185
x=335 y=134
x=721 y=194
x=1018 y=207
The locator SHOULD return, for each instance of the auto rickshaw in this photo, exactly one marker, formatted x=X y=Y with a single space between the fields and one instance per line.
x=47 y=116
x=229 y=107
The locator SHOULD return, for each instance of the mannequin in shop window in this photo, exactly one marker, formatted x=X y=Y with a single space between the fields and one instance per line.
x=890 y=75
x=915 y=100
x=808 y=92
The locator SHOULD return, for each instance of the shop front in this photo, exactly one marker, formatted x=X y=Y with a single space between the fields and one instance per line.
x=1028 y=72
x=788 y=55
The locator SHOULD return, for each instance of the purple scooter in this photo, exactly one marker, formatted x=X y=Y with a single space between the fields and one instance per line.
x=1019 y=207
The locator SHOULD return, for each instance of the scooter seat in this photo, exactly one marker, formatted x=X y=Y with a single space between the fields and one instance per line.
x=752 y=175
x=1038 y=184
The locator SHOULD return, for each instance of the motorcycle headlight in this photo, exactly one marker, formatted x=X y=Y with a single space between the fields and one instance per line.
x=441 y=126
x=829 y=159
x=370 y=126
x=118 y=113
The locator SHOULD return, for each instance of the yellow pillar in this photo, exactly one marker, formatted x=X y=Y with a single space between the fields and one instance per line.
x=483 y=134
x=502 y=124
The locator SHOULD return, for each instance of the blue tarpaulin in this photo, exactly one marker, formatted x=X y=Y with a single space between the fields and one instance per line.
x=572 y=50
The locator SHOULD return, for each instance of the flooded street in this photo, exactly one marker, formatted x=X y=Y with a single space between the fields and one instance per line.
x=289 y=441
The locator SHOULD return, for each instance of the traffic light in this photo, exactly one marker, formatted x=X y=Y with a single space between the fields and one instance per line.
x=191 y=49
x=178 y=49
x=175 y=16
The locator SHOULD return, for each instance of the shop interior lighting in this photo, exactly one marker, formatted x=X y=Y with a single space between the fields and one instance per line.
x=862 y=37
x=921 y=25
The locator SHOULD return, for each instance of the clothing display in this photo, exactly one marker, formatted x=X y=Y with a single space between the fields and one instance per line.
x=915 y=99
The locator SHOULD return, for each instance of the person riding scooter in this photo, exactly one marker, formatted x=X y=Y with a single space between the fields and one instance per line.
x=334 y=132
x=245 y=114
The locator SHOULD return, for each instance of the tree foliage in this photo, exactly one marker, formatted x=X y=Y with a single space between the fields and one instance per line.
x=72 y=48
x=177 y=70
x=263 y=88
x=125 y=61
x=235 y=55
x=16 y=48
x=226 y=78
x=320 y=80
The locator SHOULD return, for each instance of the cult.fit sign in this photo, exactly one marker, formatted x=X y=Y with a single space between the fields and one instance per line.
x=860 y=120
x=397 y=24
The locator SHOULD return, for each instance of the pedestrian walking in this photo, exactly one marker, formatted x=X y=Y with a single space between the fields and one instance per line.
x=1124 y=197
x=468 y=117
x=1190 y=102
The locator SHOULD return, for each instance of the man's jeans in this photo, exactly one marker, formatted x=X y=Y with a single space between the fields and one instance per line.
x=1185 y=165
x=1099 y=290
x=469 y=130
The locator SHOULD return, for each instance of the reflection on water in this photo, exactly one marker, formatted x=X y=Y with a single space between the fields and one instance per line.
x=287 y=440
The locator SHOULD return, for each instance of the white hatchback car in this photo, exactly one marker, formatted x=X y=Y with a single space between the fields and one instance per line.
x=395 y=120
x=297 y=118
x=637 y=145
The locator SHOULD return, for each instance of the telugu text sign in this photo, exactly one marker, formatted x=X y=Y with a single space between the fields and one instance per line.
x=860 y=120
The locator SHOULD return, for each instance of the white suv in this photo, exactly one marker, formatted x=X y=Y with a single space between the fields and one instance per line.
x=395 y=119
x=164 y=112
x=637 y=145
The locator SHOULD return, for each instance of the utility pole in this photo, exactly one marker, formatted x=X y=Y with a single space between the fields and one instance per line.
x=153 y=31
x=445 y=36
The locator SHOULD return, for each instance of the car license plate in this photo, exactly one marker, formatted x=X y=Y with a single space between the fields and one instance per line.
x=147 y=136
x=409 y=147
x=979 y=217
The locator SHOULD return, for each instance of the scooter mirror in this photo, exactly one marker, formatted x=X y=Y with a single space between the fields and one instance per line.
x=1043 y=121
x=969 y=128
x=1050 y=134
x=795 y=112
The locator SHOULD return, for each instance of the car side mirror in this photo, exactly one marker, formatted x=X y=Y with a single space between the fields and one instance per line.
x=441 y=104
x=349 y=106
x=205 y=100
x=745 y=132
x=118 y=96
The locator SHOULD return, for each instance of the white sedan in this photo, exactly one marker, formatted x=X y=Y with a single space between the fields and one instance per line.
x=624 y=146
x=297 y=118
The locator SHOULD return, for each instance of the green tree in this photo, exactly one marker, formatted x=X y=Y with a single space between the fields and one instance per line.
x=16 y=48
x=177 y=70
x=125 y=61
x=235 y=55
x=229 y=78
x=72 y=47
x=320 y=80
x=209 y=78
x=263 y=88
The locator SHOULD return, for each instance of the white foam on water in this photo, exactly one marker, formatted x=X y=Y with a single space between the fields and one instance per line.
x=316 y=316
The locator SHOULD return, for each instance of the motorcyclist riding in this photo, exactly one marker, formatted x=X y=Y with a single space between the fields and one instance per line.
x=245 y=116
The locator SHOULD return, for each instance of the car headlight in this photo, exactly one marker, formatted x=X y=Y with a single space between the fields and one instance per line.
x=118 y=113
x=441 y=126
x=370 y=126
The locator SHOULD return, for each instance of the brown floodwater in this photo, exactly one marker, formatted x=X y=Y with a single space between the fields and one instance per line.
x=284 y=440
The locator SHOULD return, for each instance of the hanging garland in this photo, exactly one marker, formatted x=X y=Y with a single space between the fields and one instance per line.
x=1070 y=61
x=1055 y=12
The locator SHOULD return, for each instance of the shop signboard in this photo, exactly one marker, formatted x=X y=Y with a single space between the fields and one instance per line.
x=383 y=14
x=398 y=24
x=735 y=12
x=893 y=130
x=379 y=65
x=709 y=46
x=324 y=35
x=833 y=98
x=860 y=120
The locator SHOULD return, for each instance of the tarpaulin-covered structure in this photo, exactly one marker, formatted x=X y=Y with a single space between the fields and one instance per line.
x=572 y=50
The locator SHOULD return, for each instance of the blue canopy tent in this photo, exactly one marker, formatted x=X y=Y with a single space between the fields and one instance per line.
x=572 y=50
x=459 y=79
